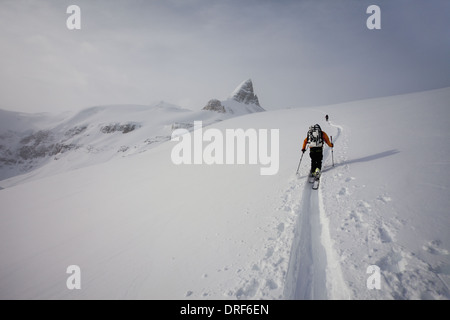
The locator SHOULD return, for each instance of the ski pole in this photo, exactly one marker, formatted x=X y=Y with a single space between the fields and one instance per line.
x=300 y=162
x=332 y=155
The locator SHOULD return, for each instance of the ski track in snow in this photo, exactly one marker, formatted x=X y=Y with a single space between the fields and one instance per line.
x=309 y=275
x=306 y=274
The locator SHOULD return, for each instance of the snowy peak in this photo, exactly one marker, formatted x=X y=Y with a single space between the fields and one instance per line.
x=244 y=93
x=242 y=100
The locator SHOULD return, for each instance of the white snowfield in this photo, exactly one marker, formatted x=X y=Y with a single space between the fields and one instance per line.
x=140 y=227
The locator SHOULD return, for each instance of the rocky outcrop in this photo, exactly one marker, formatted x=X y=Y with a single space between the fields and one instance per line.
x=215 y=105
x=35 y=146
x=117 y=127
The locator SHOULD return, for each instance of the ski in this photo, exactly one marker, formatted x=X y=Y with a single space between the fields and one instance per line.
x=315 y=185
x=316 y=181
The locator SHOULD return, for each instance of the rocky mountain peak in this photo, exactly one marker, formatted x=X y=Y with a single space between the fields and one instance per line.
x=241 y=101
x=244 y=93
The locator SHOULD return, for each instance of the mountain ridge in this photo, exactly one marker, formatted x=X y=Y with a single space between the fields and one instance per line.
x=95 y=134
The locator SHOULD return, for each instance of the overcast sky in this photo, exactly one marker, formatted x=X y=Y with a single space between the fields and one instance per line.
x=298 y=52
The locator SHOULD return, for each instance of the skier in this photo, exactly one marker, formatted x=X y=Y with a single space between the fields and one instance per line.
x=326 y=118
x=315 y=139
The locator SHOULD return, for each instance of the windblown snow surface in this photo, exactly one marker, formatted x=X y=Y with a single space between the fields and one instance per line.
x=140 y=227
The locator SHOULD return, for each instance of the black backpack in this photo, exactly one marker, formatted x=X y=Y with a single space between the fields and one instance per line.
x=315 y=139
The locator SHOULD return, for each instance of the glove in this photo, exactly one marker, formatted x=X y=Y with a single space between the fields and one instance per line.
x=303 y=150
x=332 y=145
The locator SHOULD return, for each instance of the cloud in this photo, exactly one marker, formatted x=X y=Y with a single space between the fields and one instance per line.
x=297 y=52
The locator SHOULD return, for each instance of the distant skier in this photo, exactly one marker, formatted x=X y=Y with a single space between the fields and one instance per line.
x=326 y=118
x=315 y=139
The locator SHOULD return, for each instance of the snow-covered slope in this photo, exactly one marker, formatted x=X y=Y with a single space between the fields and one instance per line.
x=142 y=227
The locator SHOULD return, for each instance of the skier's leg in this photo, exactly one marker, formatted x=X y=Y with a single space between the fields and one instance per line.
x=315 y=159
x=319 y=160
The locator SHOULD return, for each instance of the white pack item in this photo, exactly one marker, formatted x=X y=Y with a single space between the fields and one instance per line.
x=315 y=139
